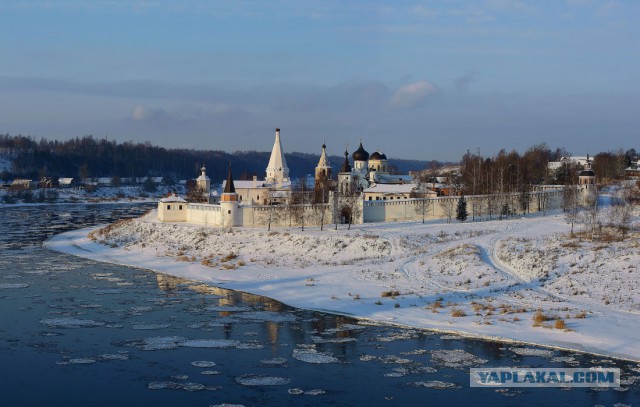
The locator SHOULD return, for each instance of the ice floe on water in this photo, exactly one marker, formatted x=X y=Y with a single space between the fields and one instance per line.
x=416 y=352
x=435 y=384
x=113 y=356
x=10 y=286
x=250 y=345
x=274 y=362
x=403 y=371
x=180 y=386
x=203 y=363
x=456 y=358
x=148 y=327
x=570 y=360
x=69 y=323
x=392 y=359
x=261 y=380
x=449 y=336
x=532 y=352
x=228 y=308
x=82 y=361
x=210 y=372
x=313 y=356
x=210 y=343
x=160 y=343
x=76 y=361
x=314 y=392
x=408 y=334
x=319 y=339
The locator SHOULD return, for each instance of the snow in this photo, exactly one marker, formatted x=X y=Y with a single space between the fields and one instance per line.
x=313 y=356
x=476 y=279
x=456 y=358
x=203 y=363
x=8 y=286
x=210 y=343
x=69 y=323
x=261 y=380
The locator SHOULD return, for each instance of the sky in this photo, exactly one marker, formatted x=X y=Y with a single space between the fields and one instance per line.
x=413 y=79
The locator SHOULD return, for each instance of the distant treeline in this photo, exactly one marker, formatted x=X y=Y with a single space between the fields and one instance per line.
x=87 y=156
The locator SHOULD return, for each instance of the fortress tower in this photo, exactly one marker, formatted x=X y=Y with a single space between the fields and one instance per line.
x=229 y=203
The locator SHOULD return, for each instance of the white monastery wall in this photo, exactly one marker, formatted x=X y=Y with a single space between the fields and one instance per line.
x=478 y=207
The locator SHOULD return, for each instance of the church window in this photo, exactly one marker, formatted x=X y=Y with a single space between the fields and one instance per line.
x=229 y=211
x=180 y=207
x=168 y=207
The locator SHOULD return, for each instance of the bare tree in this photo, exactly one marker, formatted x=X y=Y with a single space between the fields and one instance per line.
x=571 y=205
x=448 y=204
x=194 y=193
x=270 y=212
x=592 y=208
x=621 y=211
x=422 y=204
x=351 y=208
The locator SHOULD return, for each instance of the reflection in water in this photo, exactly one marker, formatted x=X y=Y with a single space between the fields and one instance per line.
x=109 y=335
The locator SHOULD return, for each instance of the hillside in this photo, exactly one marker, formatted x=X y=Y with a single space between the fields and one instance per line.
x=91 y=157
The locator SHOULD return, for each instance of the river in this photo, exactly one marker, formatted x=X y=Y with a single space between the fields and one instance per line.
x=74 y=332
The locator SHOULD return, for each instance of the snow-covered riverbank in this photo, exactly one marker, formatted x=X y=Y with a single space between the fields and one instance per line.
x=521 y=280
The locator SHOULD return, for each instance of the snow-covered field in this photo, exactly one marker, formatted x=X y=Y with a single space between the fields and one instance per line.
x=522 y=280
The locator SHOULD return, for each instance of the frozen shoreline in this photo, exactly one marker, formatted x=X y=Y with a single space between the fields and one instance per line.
x=461 y=271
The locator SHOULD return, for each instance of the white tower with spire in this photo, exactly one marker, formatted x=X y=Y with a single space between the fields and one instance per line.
x=277 y=170
x=203 y=181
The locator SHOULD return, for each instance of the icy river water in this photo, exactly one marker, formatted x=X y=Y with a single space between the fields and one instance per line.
x=74 y=332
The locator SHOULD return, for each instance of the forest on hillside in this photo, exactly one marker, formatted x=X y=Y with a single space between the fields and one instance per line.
x=92 y=157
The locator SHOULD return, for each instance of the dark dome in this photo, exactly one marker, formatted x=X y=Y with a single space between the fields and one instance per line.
x=346 y=167
x=587 y=173
x=360 y=154
x=378 y=156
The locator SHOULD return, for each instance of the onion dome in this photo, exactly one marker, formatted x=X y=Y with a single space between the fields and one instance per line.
x=346 y=167
x=378 y=156
x=360 y=154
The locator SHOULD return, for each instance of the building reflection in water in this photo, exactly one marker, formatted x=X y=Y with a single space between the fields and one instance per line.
x=319 y=324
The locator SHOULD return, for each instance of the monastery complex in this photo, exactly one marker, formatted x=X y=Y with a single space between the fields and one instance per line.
x=363 y=192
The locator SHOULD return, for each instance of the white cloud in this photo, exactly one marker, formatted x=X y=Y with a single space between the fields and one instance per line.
x=413 y=94
x=142 y=113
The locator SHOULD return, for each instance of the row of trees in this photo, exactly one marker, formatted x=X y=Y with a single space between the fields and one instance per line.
x=88 y=156
x=586 y=211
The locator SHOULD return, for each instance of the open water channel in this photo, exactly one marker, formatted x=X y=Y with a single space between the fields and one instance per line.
x=74 y=332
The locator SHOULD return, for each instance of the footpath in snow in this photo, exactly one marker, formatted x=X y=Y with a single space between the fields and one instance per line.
x=519 y=280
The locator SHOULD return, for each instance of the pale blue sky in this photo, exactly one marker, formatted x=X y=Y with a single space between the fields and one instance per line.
x=425 y=80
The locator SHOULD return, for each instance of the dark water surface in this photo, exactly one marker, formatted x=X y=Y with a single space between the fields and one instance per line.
x=75 y=332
